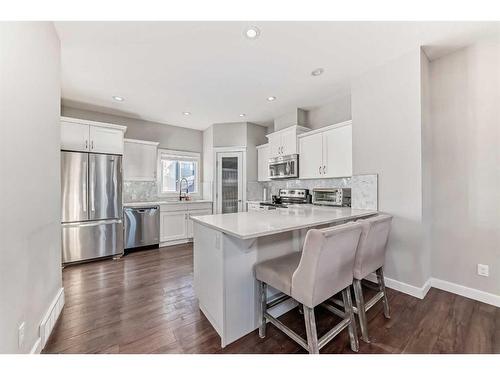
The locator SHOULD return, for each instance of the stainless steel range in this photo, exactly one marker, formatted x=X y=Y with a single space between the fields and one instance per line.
x=288 y=197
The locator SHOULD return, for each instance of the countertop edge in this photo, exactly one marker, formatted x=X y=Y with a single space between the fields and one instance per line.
x=158 y=203
x=269 y=233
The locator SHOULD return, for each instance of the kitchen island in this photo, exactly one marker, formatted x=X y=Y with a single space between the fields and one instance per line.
x=226 y=248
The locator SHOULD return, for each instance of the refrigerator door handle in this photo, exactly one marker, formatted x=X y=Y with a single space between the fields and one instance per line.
x=92 y=185
x=85 y=192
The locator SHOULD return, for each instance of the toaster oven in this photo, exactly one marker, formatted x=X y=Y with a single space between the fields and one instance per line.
x=340 y=197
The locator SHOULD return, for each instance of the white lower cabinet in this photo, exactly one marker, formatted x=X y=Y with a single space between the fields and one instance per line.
x=176 y=225
x=173 y=226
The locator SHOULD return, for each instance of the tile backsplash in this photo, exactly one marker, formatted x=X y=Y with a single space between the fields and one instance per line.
x=364 y=188
x=140 y=191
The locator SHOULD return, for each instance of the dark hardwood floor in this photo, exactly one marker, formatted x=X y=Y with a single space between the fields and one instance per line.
x=145 y=303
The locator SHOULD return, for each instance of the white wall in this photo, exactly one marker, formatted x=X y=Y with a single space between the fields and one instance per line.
x=208 y=163
x=170 y=136
x=331 y=112
x=465 y=93
x=427 y=159
x=386 y=115
x=30 y=254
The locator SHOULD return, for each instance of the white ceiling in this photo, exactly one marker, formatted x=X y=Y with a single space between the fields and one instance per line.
x=211 y=70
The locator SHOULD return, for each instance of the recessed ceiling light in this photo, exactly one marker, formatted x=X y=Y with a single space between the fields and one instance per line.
x=118 y=98
x=252 y=32
x=317 y=72
x=186 y=113
x=242 y=115
x=271 y=98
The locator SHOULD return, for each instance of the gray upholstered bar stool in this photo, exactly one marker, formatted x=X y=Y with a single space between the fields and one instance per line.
x=370 y=257
x=321 y=270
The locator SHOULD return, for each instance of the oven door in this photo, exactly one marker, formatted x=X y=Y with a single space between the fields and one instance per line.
x=285 y=168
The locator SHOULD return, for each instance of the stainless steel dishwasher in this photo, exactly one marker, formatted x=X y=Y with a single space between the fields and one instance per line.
x=142 y=226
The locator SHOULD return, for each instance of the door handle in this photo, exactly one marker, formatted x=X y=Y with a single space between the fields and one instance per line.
x=92 y=204
x=324 y=169
x=92 y=144
x=85 y=192
x=86 y=144
x=320 y=169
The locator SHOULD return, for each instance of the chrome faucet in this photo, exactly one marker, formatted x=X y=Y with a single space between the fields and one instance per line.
x=180 y=187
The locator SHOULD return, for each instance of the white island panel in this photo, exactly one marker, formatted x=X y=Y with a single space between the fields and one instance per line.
x=226 y=249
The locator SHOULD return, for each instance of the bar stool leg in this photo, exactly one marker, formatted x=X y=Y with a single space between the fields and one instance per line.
x=353 y=334
x=381 y=286
x=312 y=335
x=263 y=308
x=360 y=304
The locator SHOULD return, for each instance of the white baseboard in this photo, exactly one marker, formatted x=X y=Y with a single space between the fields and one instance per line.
x=37 y=347
x=175 y=242
x=50 y=318
x=400 y=286
x=421 y=292
x=475 y=294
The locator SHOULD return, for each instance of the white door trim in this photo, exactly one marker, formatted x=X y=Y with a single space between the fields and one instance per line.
x=230 y=150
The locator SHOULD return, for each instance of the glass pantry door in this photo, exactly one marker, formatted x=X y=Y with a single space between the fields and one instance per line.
x=229 y=182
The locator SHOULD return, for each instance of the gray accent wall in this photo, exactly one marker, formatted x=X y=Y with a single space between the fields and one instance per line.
x=30 y=224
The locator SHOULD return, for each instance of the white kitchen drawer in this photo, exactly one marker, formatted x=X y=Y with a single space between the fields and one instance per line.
x=199 y=206
x=173 y=207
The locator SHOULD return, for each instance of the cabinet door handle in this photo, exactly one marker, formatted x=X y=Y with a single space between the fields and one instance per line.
x=86 y=144
x=92 y=144
x=324 y=169
x=320 y=169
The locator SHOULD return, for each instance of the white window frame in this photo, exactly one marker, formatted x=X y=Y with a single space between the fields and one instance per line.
x=178 y=154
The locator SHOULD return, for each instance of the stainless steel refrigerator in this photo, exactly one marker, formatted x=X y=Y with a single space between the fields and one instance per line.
x=91 y=202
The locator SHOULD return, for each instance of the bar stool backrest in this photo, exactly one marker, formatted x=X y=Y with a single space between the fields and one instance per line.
x=326 y=265
x=372 y=245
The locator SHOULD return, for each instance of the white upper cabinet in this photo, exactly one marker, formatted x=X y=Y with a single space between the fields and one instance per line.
x=274 y=145
x=74 y=137
x=289 y=142
x=284 y=142
x=106 y=140
x=139 y=160
x=263 y=162
x=326 y=152
x=337 y=152
x=91 y=136
x=311 y=156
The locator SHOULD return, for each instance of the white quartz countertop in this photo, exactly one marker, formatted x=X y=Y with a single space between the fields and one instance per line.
x=152 y=203
x=252 y=224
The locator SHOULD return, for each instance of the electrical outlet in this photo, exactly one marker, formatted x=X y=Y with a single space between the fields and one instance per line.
x=20 y=332
x=483 y=270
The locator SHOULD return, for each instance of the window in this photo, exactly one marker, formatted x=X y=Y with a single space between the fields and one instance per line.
x=174 y=167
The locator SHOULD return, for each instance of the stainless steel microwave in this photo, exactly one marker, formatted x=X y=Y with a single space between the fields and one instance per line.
x=284 y=167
